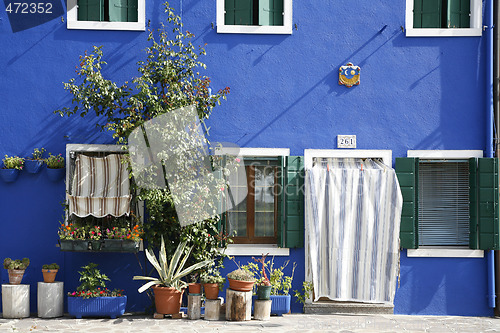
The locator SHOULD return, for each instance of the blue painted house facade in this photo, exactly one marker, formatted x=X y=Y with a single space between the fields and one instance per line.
x=423 y=88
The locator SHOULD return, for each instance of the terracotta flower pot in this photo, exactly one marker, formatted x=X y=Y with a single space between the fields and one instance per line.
x=238 y=285
x=211 y=290
x=194 y=288
x=16 y=276
x=49 y=275
x=167 y=300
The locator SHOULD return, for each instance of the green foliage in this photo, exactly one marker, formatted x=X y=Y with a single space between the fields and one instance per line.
x=8 y=263
x=212 y=274
x=14 y=162
x=307 y=288
x=55 y=161
x=170 y=274
x=50 y=266
x=280 y=283
x=91 y=278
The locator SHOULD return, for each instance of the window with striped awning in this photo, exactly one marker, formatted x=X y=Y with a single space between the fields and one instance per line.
x=443 y=203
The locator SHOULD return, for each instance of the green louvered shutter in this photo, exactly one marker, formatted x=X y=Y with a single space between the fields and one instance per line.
x=473 y=203
x=292 y=234
x=90 y=10
x=458 y=14
x=123 y=10
x=488 y=214
x=238 y=12
x=427 y=13
x=407 y=172
x=280 y=182
x=221 y=204
x=271 y=12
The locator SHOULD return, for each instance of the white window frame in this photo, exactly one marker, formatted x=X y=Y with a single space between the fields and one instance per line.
x=476 y=28
x=73 y=23
x=286 y=28
x=443 y=251
x=255 y=249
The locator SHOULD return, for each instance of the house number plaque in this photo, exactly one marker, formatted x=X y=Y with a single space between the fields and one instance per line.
x=346 y=141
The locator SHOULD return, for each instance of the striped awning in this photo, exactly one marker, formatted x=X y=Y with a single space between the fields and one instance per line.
x=353 y=212
x=100 y=187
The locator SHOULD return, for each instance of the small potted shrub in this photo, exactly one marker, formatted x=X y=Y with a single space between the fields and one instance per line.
x=240 y=280
x=194 y=286
x=16 y=269
x=55 y=167
x=212 y=282
x=49 y=272
x=11 y=167
x=92 y=298
x=34 y=163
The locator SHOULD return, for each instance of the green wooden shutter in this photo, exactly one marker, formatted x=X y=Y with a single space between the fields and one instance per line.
x=293 y=223
x=271 y=12
x=407 y=172
x=280 y=182
x=473 y=203
x=90 y=10
x=427 y=13
x=123 y=11
x=221 y=204
x=238 y=12
x=458 y=14
x=488 y=214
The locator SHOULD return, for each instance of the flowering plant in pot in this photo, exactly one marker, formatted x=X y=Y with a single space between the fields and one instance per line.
x=95 y=236
x=168 y=286
x=92 y=298
x=49 y=272
x=11 y=167
x=16 y=269
x=123 y=239
x=34 y=163
x=212 y=281
x=72 y=237
x=55 y=167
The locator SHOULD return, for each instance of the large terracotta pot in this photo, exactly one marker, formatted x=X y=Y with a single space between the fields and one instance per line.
x=16 y=276
x=167 y=300
x=238 y=285
x=49 y=275
x=194 y=288
x=211 y=290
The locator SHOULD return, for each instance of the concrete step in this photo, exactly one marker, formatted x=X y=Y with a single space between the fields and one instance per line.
x=331 y=307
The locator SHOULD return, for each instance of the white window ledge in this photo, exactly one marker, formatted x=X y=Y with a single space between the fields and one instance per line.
x=445 y=253
x=256 y=250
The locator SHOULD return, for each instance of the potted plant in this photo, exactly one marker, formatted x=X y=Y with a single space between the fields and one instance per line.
x=240 y=280
x=49 y=272
x=92 y=298
x=95 y=235
x=35 y=162
x=305 y=294
x=16 y=269
x=55 y=167
x=121 y=239
x=11 y=167
x=72 y=237
x=212 y=282
x=280 y=283
x=168 y=287
x=193 y=285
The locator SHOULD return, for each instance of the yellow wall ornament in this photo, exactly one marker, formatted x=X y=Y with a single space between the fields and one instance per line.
x=349 y=75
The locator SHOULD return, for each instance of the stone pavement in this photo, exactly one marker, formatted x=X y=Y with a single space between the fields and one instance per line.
x=288 y=323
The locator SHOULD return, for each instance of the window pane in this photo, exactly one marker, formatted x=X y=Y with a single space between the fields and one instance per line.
x=237 y=222
x=264 y=224
x=443 y=199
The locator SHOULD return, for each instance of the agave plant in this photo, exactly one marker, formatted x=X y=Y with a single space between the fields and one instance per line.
x=170 y=274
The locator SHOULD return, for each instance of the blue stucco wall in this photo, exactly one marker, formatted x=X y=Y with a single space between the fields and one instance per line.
x=415 y=93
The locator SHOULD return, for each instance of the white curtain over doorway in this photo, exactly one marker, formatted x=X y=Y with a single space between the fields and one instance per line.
x=353 y=212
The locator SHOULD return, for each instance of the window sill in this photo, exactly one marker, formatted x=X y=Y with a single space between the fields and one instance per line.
x=445 y=253
x=256 y=250
x=91 y=25
x=468 y=32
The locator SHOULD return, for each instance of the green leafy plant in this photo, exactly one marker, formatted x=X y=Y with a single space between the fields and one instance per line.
x=37 y=154
x=8 y=263
x=72 y=232
x=55 y=161
x=212 y=275
x=95 y=233
x=50 y=266
x=93 y=283
x=305 y=294
x=280 y=283
x=14 y=162
x=170 y=274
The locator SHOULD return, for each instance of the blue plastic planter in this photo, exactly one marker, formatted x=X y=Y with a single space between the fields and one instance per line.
x=56 y=174
x=9 y=175
x=97 y=307
x=280 y=304
x=33 y=166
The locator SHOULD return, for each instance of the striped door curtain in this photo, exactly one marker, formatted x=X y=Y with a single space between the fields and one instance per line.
x=100 y=187
x=353 y=211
